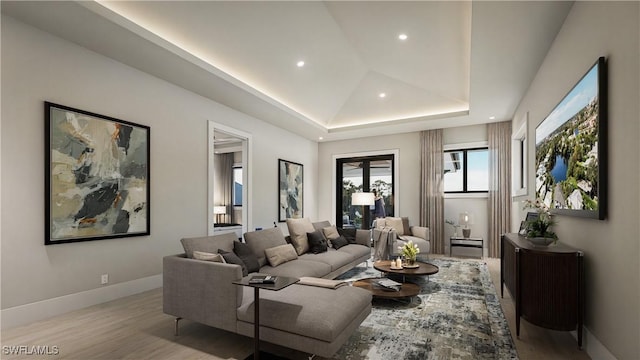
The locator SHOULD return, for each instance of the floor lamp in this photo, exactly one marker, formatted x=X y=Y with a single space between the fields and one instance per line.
x=363 y=199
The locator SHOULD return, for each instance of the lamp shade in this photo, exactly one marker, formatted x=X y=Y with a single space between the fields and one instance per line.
x=363 y=198
x=219 y=209
x=465 y=219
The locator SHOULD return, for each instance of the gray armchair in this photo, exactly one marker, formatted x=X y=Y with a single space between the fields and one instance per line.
x=390 y=233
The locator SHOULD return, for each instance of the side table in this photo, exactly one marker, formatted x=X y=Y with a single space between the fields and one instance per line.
x=280 y=283
x=470 y=242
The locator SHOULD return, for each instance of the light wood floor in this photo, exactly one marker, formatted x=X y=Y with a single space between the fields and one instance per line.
x=136 y=328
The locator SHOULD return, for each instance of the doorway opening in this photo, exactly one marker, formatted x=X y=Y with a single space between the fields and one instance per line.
x=229 y=182
x=364 y=174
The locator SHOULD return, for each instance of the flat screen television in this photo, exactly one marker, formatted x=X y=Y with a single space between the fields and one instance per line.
x=571 y=146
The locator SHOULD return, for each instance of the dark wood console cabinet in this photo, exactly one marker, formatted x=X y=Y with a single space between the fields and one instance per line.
x=546 y=283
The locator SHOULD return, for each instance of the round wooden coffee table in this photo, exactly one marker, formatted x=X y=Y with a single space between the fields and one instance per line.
x=421 y=270
x=406 y=290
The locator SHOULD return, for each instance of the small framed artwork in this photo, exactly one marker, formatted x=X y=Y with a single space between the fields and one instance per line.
x=290 y=190
x=97 y=179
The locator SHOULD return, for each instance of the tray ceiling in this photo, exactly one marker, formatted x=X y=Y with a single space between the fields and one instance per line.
x=461 y=63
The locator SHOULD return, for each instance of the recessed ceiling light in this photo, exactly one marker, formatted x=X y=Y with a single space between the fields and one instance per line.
x=382 y=95
x=492 y=117
x=402 y=36
x=320 y=138
x=300 y=63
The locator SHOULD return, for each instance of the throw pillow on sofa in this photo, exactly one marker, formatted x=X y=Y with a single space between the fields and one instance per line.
x=298 y=229
x=330 y=233
x=280 y=254
x=348 y=234
x=231 y=258
x=396 y=223
x=405 y=225
x=317 y=242
x=247 y=256
x=339 y=242
x=205 y=256
x=209 y=244
x=260 y=240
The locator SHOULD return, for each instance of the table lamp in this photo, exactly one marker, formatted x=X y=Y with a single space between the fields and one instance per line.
x=465 y=220
x=219 y=210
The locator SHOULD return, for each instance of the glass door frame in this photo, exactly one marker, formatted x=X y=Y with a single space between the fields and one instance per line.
x=337 y=186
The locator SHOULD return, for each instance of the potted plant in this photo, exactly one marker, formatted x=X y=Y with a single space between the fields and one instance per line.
x=538 y=230
x=410 y=251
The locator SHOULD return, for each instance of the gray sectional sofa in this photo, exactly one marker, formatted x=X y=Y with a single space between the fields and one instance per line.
x=311 y=319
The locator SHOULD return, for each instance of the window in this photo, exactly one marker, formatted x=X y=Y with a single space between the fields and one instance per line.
x=363 y=174
x=237 y=186
x=519 y=159
x=466 y=170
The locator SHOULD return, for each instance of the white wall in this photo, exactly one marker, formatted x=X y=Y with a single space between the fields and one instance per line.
x=37 y=67
x=594 y=29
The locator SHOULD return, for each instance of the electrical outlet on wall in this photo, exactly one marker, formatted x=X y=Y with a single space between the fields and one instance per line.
x=104 y=279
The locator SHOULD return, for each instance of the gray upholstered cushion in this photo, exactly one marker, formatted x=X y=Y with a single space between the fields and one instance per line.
x=321 y=225
x=331 y=257
x=420 y=231
x=260 y=240
x=356 y=250
x=298 y=229
x=313 y=312
x=210 y=244
x=298 y=268
x=405 y=226
x=280 y=254
x=396 y=223
x=380 y=223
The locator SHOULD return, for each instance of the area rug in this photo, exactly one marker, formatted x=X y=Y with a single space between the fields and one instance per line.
x=457 y=315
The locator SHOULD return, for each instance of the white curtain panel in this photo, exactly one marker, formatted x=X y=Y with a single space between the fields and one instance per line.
x=499 y=204
x=432 y=187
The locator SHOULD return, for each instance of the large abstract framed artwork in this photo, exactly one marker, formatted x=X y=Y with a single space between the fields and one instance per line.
x=290 y=186
x=96 y=176
x=571 y=149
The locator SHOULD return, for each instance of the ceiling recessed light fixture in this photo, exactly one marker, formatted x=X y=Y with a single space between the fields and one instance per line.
x=300 y=63
x=402 y=37
x=492 y=117
x=382 y=95
x=320 y=138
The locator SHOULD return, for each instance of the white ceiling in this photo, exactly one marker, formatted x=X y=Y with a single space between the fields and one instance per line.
x=462 y=63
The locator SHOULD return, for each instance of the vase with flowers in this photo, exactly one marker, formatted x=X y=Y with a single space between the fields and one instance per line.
x=409 y=251
x=538 y=230
x=454 y=225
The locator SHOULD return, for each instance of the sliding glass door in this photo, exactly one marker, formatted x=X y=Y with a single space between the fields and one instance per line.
x=364 y=174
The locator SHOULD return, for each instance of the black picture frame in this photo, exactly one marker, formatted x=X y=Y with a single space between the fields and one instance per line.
x=290 y=190
x=571 y=149
x=97 y=176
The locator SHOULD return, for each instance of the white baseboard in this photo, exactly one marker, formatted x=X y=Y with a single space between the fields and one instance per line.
x=592 y=346
x=40 y=310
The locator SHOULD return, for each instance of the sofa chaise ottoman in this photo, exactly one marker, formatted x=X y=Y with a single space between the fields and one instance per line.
x=311 y=319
